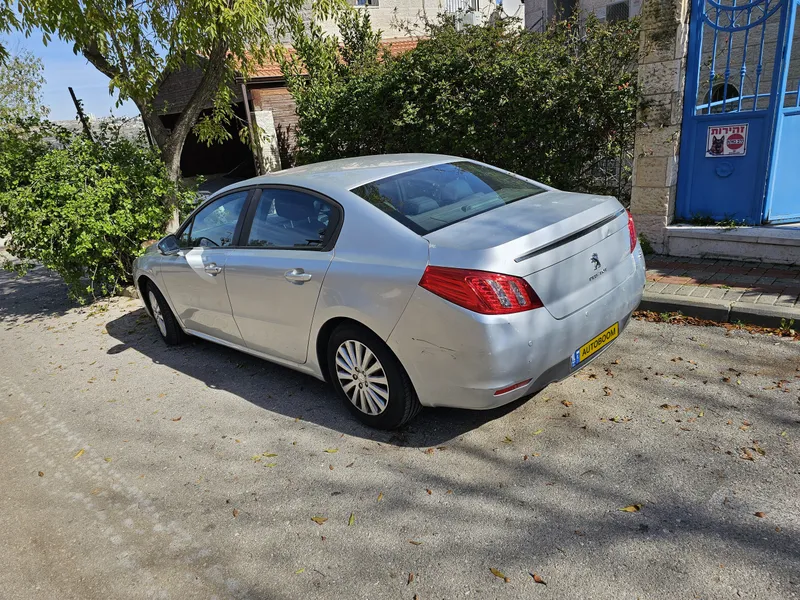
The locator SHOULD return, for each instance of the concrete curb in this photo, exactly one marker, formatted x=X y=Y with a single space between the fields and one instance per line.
x=721 y=311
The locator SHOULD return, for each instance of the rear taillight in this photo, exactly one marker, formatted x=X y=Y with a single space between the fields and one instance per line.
x=631 y=230
x=480 y=291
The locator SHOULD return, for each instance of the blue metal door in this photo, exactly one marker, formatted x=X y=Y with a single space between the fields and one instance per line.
x=733 y=79
x=783 y=197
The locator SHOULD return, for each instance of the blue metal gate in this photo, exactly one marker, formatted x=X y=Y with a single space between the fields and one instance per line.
x=733 y=109
x=783 y=195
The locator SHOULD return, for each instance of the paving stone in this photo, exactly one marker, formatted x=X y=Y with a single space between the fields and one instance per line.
x=670 y=289
x=788 y=300
x=685 y=290
x=701 y=292
x=716 y=293
x=658 y=287
x=769 y=298
x=749 y=297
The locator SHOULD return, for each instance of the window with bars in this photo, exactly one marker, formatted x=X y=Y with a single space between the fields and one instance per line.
x=619 y=11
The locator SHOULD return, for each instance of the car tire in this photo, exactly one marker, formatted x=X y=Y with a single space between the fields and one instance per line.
x=166 y=323
x=369 y=379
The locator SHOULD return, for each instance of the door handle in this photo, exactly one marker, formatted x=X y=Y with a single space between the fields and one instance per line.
x=212 y=269
x=297 y=276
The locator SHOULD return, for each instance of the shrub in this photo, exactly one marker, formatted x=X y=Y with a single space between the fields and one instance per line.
x=85 y=207
x=558 y=106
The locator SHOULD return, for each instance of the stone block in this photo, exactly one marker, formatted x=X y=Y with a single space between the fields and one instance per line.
x=652 y=200
x=652 y=227
x=650 y=171
x=655 y=47
x=656 y=141
x=660 y=77
x=655 y=109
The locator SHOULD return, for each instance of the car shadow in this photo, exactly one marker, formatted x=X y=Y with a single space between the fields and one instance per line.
x=284 y=391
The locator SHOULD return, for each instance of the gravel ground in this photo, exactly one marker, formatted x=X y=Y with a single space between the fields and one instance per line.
x=133 y=470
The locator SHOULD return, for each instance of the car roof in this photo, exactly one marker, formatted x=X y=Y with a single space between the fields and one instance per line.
x=345 y=173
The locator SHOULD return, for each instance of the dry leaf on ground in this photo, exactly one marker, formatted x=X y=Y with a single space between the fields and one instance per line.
x=415 y=542
x=331 y=450
x=538 y=579
x=631 y=508
x=760 y=514
x=351 y=521
x=499 y=574
x=80 y=453
x=319 y=520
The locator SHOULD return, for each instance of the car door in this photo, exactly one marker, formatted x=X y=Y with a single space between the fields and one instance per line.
x=195 y=275
x=275 y=278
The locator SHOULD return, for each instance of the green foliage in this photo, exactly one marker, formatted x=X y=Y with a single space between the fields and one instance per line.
x=21 y=80
x=137 y=44
x=84 y=208
x=557 y=106
x=645 y=244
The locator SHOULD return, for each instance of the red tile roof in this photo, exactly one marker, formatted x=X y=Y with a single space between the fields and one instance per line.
x=271 y=69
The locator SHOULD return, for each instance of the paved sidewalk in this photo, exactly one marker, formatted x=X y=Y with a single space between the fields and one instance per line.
x=723 y=290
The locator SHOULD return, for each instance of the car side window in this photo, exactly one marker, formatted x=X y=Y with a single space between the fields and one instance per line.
x=214 y=225
x=291 y=219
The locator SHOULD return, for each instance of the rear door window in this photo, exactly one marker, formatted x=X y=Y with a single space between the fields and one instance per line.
x=433 y=197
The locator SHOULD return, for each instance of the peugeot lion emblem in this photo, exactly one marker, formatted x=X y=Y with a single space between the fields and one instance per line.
x=596 y=261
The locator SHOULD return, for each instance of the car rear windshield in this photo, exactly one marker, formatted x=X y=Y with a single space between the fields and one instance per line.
x=430 y=198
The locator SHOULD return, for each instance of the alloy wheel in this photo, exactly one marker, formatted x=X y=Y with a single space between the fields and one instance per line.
x=362 y=377
x=155 y=307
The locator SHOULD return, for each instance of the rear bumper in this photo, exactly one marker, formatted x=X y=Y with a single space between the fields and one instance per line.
x=458 y=358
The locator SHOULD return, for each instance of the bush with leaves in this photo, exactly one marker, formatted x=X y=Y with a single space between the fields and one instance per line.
x=85 y=207
x=557 y=106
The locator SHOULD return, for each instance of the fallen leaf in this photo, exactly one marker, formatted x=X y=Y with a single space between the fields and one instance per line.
x=538 y=579
x=429 y=451
x=108 y=459
x=238 y=441
x=96 y=491
x=269 y=454
x=380 y=497
x=416 y=597
x=726 y=379
x=499 y=574
x=270 y=465
x=331 y=450
x=330 y=467
x=615 y=362
x=525 y=457
x=631 y=508
x=299 y=571
x=41 y=473
x=606 y=390
x=177 y=418
x=351 y=521
x=415 y=542
x=508 y=440
x=429 y=492
x=319 y=520
x=538 y=431
x=669 y=406
x=760 y=514
x=566 y=403
x=746 y=455
x=701 y=414
x=449 y=492
x=783 y=434
x=80 y=453
x=410 y=579
x=759 y=449
x=235 y=512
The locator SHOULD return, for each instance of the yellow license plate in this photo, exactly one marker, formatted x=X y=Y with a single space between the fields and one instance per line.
x=595 y=344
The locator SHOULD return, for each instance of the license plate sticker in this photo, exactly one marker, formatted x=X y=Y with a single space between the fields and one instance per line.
x=595 y=344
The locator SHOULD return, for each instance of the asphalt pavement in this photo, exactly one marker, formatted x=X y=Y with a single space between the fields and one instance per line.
x=132 y=470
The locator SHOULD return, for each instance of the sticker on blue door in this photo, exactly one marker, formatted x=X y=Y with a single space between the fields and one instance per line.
x=726 y=140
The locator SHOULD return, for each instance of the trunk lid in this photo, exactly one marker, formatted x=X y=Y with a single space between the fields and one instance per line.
x=571 y=248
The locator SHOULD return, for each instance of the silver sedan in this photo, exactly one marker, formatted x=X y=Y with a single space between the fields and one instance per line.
x=403 y=280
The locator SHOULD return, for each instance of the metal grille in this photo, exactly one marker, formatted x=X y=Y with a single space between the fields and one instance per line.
x=619 y=11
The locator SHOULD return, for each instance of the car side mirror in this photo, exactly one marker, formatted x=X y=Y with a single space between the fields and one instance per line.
x=168 y=244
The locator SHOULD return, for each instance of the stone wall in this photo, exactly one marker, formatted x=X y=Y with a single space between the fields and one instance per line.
x=662 y=75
